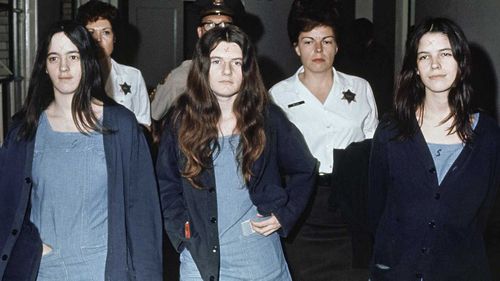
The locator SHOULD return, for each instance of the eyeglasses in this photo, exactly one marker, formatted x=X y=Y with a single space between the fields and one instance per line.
x=209 y=25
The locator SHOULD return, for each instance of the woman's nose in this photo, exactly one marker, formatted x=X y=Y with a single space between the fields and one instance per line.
x=63 y=67
x=227 y=69
x=318 y=47
x=435 y=63
x=97 y=36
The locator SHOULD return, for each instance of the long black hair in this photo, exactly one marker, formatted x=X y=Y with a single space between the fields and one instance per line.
x=41 y=91
x=410 y=91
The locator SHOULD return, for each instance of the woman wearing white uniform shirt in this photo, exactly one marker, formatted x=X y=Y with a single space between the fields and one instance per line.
x=332 y=110
x=124 y=83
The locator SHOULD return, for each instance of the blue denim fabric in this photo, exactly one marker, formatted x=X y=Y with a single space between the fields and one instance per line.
x=251 y=257
x=69 y=203
x=444 y=155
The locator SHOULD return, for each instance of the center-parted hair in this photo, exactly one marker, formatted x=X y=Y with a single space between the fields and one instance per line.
x=410 y=91
x=41 y=89
x=197 y=112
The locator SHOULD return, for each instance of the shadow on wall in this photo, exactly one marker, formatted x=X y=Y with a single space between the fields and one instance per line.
x=252 y=25
x=362 y=55
x=127 y=44
x=484 y=81
x=271 y=71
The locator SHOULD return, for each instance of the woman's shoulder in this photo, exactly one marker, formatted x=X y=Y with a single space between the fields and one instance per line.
x=487 y=121
x=283 y=86
x=126 y=70
x=487 y=126
x=351 y=79
x=276 y=113
x=387 y=128
x=118 y=115
x=13 y=128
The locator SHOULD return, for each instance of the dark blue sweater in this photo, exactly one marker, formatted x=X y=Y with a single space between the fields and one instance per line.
x=285 y=153
x=134 y=218
x=425 y=230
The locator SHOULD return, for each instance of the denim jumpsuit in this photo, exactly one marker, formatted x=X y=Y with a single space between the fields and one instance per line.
x=69 y=203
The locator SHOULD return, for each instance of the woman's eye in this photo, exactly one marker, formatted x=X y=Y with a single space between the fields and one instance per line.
x=52 y=59
x=238 y=63
x=74 y=57
x=327 y=42
x=215 y=61
x=107 y=32
x=447 y=54
x=424 y=57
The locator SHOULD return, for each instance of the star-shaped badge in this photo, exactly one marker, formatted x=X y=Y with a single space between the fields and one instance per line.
x=349 y=96
x=125 y=88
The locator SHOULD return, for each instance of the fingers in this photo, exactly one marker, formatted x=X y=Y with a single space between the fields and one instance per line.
x=266 y=227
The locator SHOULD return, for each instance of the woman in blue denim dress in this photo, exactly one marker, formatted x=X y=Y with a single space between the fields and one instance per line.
x=80 y=177
x=220 y=164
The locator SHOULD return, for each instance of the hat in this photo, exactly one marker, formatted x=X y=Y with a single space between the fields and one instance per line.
x=217 y=7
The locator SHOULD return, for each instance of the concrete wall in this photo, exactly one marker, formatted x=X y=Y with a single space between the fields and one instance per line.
x=481 y=24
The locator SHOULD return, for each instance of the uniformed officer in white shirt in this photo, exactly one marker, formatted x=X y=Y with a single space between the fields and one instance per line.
x=334 y=123
x=124 y=84
x=332 y=110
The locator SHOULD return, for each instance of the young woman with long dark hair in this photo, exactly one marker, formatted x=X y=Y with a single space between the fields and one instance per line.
x=434 y=166
x=79 y=197
x=220 y=164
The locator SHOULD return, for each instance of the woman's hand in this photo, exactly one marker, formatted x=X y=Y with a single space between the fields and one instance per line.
x=266 y=227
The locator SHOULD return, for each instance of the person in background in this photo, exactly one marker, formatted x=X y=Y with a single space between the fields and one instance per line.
x=213 y=14
x=79 y=196
x=332 y=110
x=434 y=167
x=124 y=83
x=221 y=157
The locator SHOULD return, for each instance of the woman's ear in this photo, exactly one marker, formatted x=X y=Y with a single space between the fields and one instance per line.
x=296 y=48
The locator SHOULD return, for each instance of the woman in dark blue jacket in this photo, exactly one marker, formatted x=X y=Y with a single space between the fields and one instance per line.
x=78 y=194
x=220 y=168
x=434 y=166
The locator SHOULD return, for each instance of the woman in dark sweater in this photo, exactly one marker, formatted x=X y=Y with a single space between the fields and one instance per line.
x=78 y=197
x=434 y=166
x=220 y=164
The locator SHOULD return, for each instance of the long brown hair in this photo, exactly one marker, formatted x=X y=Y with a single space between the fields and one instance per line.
x=197 y=112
